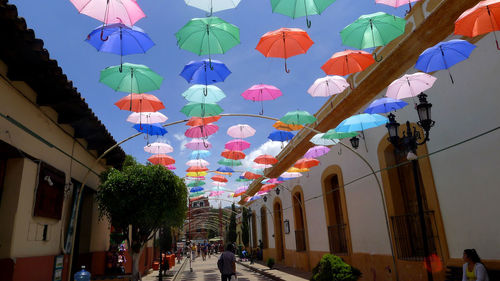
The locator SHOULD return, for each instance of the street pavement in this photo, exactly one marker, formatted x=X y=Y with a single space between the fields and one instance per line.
x=207 y=271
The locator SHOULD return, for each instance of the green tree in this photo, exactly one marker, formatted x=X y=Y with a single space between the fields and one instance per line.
x=139 y=200
x=231 y=232
x=245 y=228
x=331 y=267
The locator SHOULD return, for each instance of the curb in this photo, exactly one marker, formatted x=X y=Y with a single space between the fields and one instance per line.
x=181 y=268
x=262 y=272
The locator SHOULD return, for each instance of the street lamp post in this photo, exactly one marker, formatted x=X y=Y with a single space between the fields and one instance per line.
x=160 y=275
x=408 y=143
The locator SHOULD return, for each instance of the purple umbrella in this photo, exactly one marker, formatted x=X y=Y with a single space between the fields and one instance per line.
x=385 y=105
x=316 y=151
x=262 y=92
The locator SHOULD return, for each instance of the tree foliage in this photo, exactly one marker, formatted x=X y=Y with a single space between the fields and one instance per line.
x=231 y=232
x=331 y=267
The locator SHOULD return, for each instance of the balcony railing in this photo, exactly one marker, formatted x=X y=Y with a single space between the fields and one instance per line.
x=338 y=239
x=408 y=236
x=300 y=240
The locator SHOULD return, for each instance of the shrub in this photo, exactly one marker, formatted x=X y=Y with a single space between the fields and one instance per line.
x=333 y=268
x=270 y=263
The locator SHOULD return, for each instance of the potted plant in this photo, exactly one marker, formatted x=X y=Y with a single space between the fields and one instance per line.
x=331 y=267
x=270 y=263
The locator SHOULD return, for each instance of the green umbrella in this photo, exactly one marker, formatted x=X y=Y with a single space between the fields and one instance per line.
x=203 y=94
x=373 y=30
x=300 y=8
x=298 y=118
x=229 y=162
x=243 y=180
x=196 y=194
x=331 y=134
x=206 y=36
x=196 y=183
x=131 y=78
x=194 y=109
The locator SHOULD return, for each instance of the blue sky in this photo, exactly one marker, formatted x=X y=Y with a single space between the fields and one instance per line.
x=63 y=30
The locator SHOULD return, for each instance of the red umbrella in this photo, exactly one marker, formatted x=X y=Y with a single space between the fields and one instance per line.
x=161 y=159
x=284 y=43
x=347 y=62
x=140 y=103
x=233 y=154
x=267 y=187
x=199 y=121
x=306 y=163
x=266 y=160
x=251 y=176
x=219 y=178
x=197 y=169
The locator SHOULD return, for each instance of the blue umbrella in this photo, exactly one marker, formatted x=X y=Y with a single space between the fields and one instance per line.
x=150 y=129
x=196 y=189
x=444 y=55
x=385 y=105
x=200 y=72
x=225 y=170
x=280 y=136
x=200 y=154
x=361 y=122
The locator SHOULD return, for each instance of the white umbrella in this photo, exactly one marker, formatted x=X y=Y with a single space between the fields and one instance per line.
x=158 y=147
x=197 y=162
x=212 y=6
x=319 y=140
x=241 y=131
x=147 y=117
x=328 y=86
x=410 y=85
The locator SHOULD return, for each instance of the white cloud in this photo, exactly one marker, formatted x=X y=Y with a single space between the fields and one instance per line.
x=180 y=137
x=272 y=148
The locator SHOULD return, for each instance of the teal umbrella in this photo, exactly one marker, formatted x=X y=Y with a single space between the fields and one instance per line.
x=194 y=109
x=373 y=30
x=203 y=94
x=207 y=36
x=298 y=117
x=300 y=8
x=333 y=135
x=196 y=183
x=131 y=78
x=361 y=122
x=229 y=162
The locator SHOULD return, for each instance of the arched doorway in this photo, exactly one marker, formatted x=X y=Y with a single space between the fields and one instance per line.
x=278 y=230
x=299 y=219
x=254 y=230
x=263 y=226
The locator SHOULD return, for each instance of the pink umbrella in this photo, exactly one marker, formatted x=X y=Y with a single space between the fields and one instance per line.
x=201 y=131
x=410 y=85
x=158 y=147
x=316 y=151
x=197 y=162
x=396 y=3
x=215 y=193
x=241 y=131
x=237 y=144
x=273 y=181
x=170 y=167
x=262 y=92
x=127 y=12
x=262 y=192
x=198 y=144
x=261 y=166
x=328 y=86
x=218 y=183
x=146 y=117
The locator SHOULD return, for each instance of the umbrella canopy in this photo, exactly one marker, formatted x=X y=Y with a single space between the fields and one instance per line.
x=215 y=193
x=131 y=78
x=219 y=178
x=385 y=105
x=284 y=43
x=170 y=167
x=267 y=187
x=121 y=39
x=198 y=144
x=112 y=11
x=361 y=122
x=289 y=175
x=161 y=159
x=300 y=8
x=242 y=179
x=348 y=62
x=333 y=135
x=261 y=166
x=146 y=117
x=410 y=85
x=196 y=169
x=204 y=94
x=140 y=103
x=316 y=151
x=200 y=72
x=201 y=131
x=196 y=183
x=150 y=129
x=159 y=148
x=286 y=127
x=196 y=174
x=206 y=36
x=480 y=19
x=201 y=109
x=229 y=162
x=241 y=131
x=240 y=191
x=275 y=180
x=237 y=144
x=328 y=86
x=396 y=3
x=196 y=195
x=233 y=154
x=218 y=183
x=212 y=6
x=262 y=92
x=306 y=163
x=198 y=121
x=225 y=170
x=280 y=136
x=444 y=55
x=319 y=139
x=196 y=189
x=297 y=170
x=298 y=118
x=197 y=162
x=200 y=154
x=251 y=176
x=266 y=159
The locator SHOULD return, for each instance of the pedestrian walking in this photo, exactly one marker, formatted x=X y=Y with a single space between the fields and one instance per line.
x=473 y=269
x=227 y=264
x=204 y=250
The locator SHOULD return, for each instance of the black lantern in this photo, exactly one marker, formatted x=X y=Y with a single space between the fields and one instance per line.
x=424 y=114
x=354 y=142
x=393 y=128
x=265 y=198
x=277 y=191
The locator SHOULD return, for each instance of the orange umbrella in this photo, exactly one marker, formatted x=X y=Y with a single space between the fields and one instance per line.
x=140 y=103
x=266 y=160
x=284 y=43
x=287 y=127
x=233 y=154
x=199 y=121
x=161 y=159
x=197 y=169
x=347 y=62
x=306 y=163
x=480 y=19
x=251 y=176
x=219 y=178
x=267 y=187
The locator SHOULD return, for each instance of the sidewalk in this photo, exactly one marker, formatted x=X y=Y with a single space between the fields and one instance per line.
x=153 y=274
x=279 y=272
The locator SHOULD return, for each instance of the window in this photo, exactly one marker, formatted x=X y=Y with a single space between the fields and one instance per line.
x=298 y=212
x=336 y=217
x=201 y=204
x=263 y=226
x=49 y=192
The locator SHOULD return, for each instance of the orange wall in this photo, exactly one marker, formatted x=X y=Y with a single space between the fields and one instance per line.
x=36 y=268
